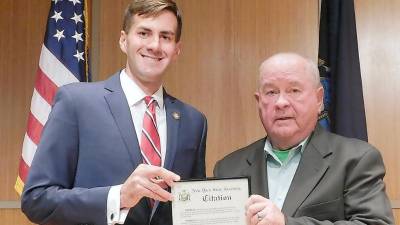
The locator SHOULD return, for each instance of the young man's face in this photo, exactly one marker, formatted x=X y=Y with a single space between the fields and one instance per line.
x=150 y=46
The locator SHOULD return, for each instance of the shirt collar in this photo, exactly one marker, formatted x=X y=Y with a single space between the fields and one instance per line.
x=134 y=94
x=298 y=148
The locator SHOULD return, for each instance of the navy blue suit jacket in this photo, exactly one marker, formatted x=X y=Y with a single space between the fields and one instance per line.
x=89 y=144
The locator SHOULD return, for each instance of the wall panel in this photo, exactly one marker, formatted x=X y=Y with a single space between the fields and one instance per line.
x=378 y=35
x=13 y=217
x=22 y=25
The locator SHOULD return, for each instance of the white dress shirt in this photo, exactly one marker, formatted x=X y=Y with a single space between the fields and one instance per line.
x=135 y=97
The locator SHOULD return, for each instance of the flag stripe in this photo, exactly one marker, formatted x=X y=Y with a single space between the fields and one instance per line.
x=19 y=184
x=39 y=107
x=45 y=86
x=28 y=150
x=54 y=69
x=34 y=129
x=23 y=169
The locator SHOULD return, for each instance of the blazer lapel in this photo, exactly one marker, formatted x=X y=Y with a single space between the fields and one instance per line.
x=120 y=111
x=311 y=169
x=257 y=170
x=173 y=115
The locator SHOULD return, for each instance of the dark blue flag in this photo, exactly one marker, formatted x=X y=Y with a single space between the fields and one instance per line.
x=339 y=66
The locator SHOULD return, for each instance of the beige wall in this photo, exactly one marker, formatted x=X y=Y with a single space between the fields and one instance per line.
x=223 y=43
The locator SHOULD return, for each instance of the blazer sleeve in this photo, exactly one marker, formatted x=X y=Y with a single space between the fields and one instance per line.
x=200 y=168
x=49 y=195
x=365 y=200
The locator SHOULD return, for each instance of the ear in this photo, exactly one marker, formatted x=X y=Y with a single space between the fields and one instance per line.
x=320 y=98
x=122 y=41
x=177 y=50
x=257 y=96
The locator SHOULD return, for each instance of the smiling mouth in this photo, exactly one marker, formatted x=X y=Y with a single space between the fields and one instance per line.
x=152 y=57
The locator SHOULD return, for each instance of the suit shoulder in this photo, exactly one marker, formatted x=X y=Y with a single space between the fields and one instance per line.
x=84 y=88
x=81 y=87
x=244 y=153
x=233 y=163
x=344 y=145
x=187 y=107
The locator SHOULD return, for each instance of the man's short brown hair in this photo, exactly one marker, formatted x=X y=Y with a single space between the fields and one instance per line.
x=149 y=8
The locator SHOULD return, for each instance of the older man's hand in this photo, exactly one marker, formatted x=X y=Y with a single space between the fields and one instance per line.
x=262 y=211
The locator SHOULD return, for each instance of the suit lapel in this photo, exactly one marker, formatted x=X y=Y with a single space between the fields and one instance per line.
x=257 y=170
x=311 y=169
x=173 y=115
x=120 y=111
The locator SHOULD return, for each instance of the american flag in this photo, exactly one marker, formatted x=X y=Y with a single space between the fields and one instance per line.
x=63 y=60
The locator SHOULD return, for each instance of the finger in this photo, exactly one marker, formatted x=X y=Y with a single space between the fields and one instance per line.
x=248 y=218
x=161 y=194
x=256 y=208
x=255 y=219
x=160 y=182
x=150 y=194
x=164 y=174
x=169 y=177
x=258 y=198
x=252 y=199
x=156 y=172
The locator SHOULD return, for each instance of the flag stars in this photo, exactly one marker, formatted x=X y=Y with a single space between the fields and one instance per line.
x=57 y=16
x=75 y=1
x=77 y=36
x=59 y=35
x=79 y=55
x=77 y=18
x=55 y=1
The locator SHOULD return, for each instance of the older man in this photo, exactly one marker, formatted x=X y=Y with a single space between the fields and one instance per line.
x=301 y=173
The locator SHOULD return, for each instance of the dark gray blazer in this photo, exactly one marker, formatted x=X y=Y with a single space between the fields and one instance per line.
x=338 y=180
x=89 y=144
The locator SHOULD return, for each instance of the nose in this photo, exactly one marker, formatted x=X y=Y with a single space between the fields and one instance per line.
x=154 y=44
x=282 y=101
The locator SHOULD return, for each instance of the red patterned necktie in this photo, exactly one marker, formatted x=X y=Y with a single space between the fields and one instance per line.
x=150 y=139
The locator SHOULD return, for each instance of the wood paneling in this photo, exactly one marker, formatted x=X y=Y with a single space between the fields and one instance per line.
x=107 y=24
x=396 y=213
x=13 y=217
x=22 y=25
x=378 y=35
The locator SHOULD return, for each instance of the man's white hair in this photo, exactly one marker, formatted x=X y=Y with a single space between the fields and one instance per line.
x=310 y=65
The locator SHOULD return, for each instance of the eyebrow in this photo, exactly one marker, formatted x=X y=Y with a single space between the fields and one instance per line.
x=166 y=32
x=295 y=82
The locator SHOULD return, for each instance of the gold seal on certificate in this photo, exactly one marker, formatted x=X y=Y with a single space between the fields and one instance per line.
x=211 y=201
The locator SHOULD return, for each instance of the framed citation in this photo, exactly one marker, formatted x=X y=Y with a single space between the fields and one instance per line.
x=210 y=201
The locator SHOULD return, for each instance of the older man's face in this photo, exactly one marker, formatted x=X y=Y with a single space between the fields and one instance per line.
x=288 y=101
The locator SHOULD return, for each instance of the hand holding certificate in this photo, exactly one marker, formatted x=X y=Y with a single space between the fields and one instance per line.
x=213 y=201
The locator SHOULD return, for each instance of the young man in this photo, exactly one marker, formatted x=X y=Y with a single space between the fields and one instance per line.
x=301 y=173
x=110 y=149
